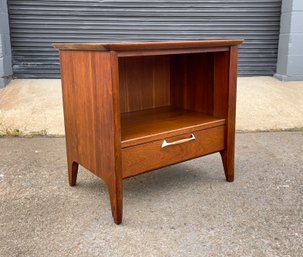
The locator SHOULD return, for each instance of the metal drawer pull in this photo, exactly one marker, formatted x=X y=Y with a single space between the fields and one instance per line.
x=165 y=143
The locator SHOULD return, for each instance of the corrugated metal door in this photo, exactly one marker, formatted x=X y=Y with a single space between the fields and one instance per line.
x=36 y=24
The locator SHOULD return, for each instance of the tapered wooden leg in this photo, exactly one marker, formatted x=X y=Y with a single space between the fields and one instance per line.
x=228 y=164
x=115 y=188
x=72 y=173
x=225 y=91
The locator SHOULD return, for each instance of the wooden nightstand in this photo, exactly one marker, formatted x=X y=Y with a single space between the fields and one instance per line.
x=135 y=107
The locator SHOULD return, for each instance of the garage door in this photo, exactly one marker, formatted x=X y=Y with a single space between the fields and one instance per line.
x=35 y=25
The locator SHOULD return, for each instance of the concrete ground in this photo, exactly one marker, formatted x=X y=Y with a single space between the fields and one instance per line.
x=183 y=210
x=264 y=103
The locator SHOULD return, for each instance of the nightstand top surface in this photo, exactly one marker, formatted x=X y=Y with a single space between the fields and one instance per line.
x=139 y=46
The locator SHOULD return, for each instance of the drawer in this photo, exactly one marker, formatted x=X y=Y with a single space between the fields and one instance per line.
x=153 y=155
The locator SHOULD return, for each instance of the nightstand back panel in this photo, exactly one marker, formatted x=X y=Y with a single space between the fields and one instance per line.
x=144 y=82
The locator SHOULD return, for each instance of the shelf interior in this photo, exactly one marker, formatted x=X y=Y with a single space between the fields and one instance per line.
x=151 y=124
x=169 y=95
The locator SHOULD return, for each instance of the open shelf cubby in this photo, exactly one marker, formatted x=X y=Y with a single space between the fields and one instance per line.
x=165 y=93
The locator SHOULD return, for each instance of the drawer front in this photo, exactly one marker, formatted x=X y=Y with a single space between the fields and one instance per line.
x=140 y=158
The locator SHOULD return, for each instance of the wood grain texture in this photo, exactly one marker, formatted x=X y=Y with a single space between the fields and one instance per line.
x=228 y=154
x=122 y=100
x=192 y=82
x=92 y=119
x=137 y=46
x=177 y=51
x=221 y=84
x=144 y=82
x=80 y=140
x=153 y=124
x=149 y=156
